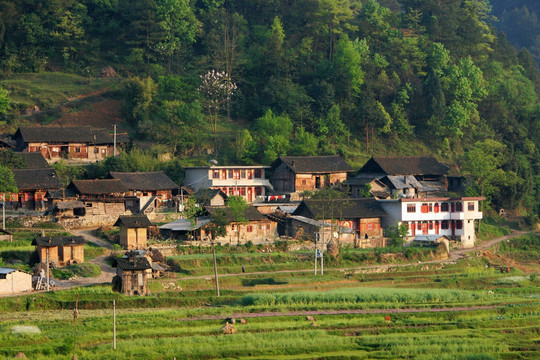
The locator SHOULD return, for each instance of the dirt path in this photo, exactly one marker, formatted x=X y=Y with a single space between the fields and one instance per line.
x=338 y=312
x=107 y=271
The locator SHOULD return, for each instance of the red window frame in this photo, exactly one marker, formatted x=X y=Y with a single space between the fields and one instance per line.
x=470 y=206
x=424 y=208
x=436 y=208
x=249 y=228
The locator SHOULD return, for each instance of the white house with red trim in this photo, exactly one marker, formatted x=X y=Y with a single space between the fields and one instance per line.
x=452 y=217
x=250 y=182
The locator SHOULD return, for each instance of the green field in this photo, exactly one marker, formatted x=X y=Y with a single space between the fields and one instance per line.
x=463 y=310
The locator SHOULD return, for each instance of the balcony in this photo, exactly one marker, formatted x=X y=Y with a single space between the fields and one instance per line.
x=241 y=182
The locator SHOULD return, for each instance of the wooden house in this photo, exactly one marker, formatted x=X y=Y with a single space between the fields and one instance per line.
x=257 y=228
x=33 y=184
x=364 y=216
x=78 y=143
x=13 y=281
x=63 y=250
x=100 y=196
x=133 y=231
x=417 y=176
x=151 y=189
x=210 y=197
x=292 y=174
x=134 y=271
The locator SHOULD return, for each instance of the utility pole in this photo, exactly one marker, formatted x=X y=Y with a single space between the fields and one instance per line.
x=316 y=252
x=4 y=211
x=215 y=268
x=114 y=150
x=47 y=269
x=75 y=314
x=114 y=323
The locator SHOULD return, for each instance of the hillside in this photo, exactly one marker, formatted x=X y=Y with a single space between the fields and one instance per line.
x=246 y=82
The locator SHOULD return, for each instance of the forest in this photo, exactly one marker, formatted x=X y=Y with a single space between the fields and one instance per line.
x=245 y=81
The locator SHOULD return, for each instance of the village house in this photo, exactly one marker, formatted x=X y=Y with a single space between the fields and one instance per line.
x=395 y=177
x=151 y=189
x=363 y=216
x=294 y=174
x=452 y=217
x=210 y=197
x=62 y=250
x=133 y=231
x=186 y=229
x=257 y=228
x=78 y=143
x=133 y=273
x=101 y=196
x=249 y=182
x=33 y=184
x=13 y=281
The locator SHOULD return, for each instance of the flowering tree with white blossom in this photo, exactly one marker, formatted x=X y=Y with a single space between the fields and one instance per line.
x=217 y=88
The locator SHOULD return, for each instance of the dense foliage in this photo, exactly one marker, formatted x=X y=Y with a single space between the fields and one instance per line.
x=247 y=81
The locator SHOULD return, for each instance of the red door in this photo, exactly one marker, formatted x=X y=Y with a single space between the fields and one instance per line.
x=250 y=195
x=437 y=227
x=424 y=228
x=453 y=225
x=413 y=228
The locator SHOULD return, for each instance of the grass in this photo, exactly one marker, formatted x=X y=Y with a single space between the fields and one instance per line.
x=79 y=270
x=51 y=89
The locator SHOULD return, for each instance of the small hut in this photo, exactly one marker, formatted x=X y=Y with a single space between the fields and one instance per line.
x=63 y=250
x=133 y=231
x=134 y=271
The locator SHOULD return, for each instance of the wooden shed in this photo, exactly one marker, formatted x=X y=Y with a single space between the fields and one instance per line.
x=133 y=231
x=134 y=271
x=63 y=250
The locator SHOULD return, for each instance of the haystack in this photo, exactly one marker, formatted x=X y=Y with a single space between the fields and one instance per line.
x=228 y=329
x=20 y=355
x=332 y=249
x=108 y=72
x=310 y=318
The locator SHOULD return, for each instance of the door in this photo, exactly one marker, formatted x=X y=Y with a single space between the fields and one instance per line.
x=317 y=182
x=453 y=225
x=424 y=228
x=249 y=195
x=413 y=228
x=437 y=227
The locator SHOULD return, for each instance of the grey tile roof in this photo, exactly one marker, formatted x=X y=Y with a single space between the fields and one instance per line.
x=98 y=186
x=74 y=134
x=133 y=221
x=414 y=165
x=145 y=181
x=37 y=179
x=314 y=164
x=34 y=160
x=136 y=263
x=48 y=241
x=340 y=208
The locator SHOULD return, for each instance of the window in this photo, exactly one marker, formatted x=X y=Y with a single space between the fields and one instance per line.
x=3 y=276
x=419 y=226
x=267 y=226
x=459 y=224
x=430 y=225
x=233 y=227
x=258 y=190
x=470 y=206
x=304 y=181
x=230 y=174
x=411 y=208
x=444 y=207
x=236 y=174
x=231 y=191
x=257 y=174
x=459 y=206
x=249 y=228
x=243 y=173
x=215 y=174
x=370 y=226
x=77 y=149
x=430 y=207
x=424 y=208
x=444 y=224
x=243 y=191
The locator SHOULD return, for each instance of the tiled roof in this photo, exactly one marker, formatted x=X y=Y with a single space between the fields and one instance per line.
x=250 y=213
x=34 y=160
x=75 y=134
x=47 y=241
x=416 y=165
x=314 y=164
x=156 y=180
x=134 y=221
x=70 y=204
x=340 y=208
x=98 y=186
x=36 y=179
x=135 y=263
x=203 y=196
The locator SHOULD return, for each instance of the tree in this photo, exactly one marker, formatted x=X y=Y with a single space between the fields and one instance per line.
x=217 y=227
x=398 y=233
x=236 y=208
x=216 y=87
